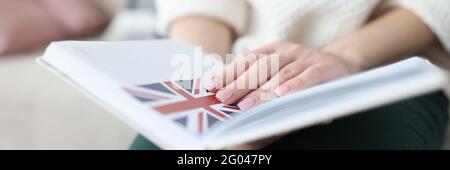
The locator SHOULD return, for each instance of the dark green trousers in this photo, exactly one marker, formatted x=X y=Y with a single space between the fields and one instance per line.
x=418 y=123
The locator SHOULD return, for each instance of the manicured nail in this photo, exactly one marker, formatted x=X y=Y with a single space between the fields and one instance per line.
x=224 y=95
x=282 y=90
x=247 y=103
x=210 y=84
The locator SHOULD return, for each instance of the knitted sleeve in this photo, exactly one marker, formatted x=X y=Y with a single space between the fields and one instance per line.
x=231 y=12
x=434 y=13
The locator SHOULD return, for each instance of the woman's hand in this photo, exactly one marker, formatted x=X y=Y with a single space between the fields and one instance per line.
x=392 y=36
x=290 y=67
x=296 y=67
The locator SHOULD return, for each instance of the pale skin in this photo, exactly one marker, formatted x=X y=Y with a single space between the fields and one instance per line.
x=391 y=36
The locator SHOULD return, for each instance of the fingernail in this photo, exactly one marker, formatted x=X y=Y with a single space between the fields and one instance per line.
x=210 y=84
x=224 y=94
x=247 y=103
x=282 y=90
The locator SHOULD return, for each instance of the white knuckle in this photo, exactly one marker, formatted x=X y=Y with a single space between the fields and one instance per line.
x=297 y=83
x=316 y=71
x=264 y=94
x=288 y=72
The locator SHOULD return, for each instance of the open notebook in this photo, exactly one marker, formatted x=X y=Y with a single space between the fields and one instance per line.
x=134 y=81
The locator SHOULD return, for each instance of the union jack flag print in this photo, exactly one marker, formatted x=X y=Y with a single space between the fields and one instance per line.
x=185 y=102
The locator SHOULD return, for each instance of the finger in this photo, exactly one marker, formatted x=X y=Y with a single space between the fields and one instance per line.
x=258 y=74
x=267 y=90
x=230 y=72
x=313 y=75
x=250 y=80
x=267 y=49
x=238 y=67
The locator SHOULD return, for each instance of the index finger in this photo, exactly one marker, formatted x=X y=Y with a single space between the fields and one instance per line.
x=237 y=67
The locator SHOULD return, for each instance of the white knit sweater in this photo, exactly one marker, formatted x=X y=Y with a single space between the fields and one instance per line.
x=311 y=22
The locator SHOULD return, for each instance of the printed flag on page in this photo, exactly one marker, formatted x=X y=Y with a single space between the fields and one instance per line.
x=184 y=102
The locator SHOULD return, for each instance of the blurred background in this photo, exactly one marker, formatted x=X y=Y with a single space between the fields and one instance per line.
x=37 y=109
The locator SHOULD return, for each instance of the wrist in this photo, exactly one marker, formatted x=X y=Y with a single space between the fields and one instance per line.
x=349 y=54
x=213 y=36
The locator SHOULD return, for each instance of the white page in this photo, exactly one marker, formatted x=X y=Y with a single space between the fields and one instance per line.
x=105 y=68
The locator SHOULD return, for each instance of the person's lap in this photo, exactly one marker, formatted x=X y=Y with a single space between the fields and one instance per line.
x=418 y=123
